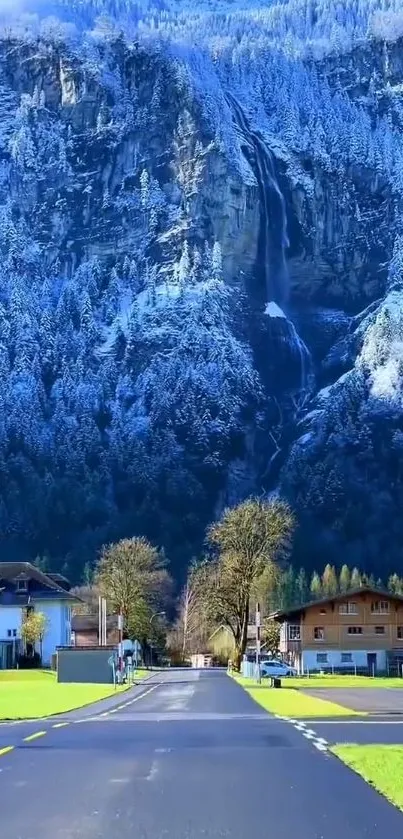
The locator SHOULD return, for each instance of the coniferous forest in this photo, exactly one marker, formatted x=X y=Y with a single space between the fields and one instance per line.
x=201 y=276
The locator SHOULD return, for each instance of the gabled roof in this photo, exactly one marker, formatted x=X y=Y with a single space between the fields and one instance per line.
x=60 y=580
x=48 y=588
x=334 y=598
x=82 y=623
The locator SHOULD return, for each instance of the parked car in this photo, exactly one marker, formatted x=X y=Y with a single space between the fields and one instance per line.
x=276 y=668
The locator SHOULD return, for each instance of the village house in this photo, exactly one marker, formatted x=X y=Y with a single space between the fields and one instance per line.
x=361 y=628
x=85 y=630
x=24 y=588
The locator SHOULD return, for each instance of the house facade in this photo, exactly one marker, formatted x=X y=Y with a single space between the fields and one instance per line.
x=23 y=587
x=361 y=628
x=85 y=630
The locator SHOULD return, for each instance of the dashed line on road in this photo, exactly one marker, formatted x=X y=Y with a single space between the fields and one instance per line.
x=122 y=706
x=6 y=750
x=34 y=736
x=302 y=727
x=60 y=724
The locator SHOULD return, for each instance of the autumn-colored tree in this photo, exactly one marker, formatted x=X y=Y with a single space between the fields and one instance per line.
x=355 y=578
x=133 y=577
x=329 y=580
x=247 y=539
x=271 y=636
x=316 y=586
x=33 y=629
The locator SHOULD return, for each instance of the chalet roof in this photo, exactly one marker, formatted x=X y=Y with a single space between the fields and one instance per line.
x=282 y=614
x=48 y=587
x=82 y=623
x=60 y=580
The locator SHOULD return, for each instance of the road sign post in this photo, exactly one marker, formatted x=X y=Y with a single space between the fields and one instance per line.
x=258 y=676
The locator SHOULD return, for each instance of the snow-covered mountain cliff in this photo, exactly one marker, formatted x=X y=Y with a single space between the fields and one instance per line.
x=201 y=273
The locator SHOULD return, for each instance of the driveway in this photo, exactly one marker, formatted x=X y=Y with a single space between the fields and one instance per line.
x=192 y=757
x=372 y=700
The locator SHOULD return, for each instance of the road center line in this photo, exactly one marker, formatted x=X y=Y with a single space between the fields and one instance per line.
x=6 y=749
x=34 y=736
x=60 y=724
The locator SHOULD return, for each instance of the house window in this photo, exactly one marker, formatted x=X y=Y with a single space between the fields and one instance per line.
x=379 y=630
x=321 y=658
x=323 y=611
x=354 y=630
x=349 y=608
x=11 y=633
x=380 y=607
x=346 y=658
x=294 y=632
x=400 y=632
x=319 y=633
x=22 y=585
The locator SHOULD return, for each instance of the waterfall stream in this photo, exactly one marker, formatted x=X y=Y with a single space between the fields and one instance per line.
x=275 y=241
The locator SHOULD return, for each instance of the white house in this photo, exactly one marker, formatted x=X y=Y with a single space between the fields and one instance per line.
x=24 y=587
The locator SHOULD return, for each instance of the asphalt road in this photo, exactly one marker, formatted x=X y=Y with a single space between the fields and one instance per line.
x=192 y=757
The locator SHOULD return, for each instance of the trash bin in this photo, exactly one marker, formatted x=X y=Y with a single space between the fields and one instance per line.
x=276 y=682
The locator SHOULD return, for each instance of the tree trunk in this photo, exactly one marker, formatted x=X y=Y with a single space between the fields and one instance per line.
x=241 y=639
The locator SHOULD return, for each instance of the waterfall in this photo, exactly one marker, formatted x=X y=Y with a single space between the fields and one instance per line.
x=275 y=241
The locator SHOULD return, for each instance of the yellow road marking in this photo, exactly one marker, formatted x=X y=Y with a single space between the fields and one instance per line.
x=60 y=724
x=34 y=736
x=6 y=750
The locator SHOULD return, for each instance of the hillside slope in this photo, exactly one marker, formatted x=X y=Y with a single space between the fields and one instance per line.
x=201 y=270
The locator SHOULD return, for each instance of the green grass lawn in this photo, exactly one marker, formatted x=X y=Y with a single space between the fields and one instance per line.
x=32 y=694
x=291 y=703
x=381 y=766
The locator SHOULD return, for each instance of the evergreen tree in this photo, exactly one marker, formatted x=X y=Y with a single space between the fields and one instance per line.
x=316 y=586
x=289 y=588
x=345 y=578
x=395 y=584
x=301 y=587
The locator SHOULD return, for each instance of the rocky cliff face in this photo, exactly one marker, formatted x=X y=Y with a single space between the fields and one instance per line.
x=184 y=264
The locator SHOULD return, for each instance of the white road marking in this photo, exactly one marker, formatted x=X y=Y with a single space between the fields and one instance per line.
x=119 y=780
x=320 y=746
x=153 y=771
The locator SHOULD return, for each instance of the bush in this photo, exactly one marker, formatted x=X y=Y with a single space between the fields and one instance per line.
x=29 y=662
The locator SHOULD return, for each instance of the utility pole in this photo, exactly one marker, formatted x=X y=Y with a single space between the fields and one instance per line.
x=257 y=622
x=102 y=621
x=120 y=630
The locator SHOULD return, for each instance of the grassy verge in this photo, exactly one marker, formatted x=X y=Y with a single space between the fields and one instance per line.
x=380 y=766
x=288 y=702
x=26 y=694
